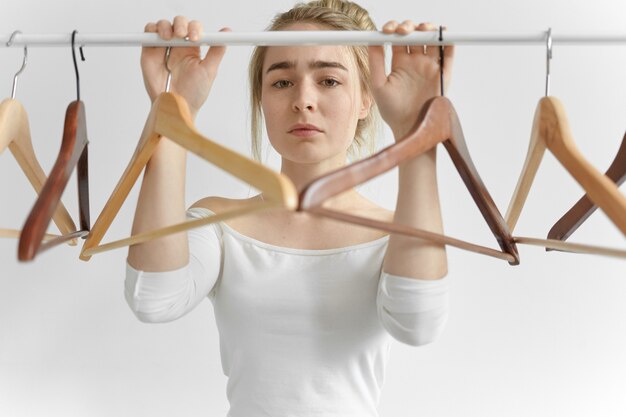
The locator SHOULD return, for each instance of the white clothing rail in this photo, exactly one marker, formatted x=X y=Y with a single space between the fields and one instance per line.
x=312 y=38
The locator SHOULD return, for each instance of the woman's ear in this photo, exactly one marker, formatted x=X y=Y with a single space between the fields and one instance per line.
x=366 y=105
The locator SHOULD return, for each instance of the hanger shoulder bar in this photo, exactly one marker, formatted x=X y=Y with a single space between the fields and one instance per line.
x=169 y=117
x=431 y=128
x=174 y=122
x=600 y=189
x=459 y=153
x=15 y=134
x=144 y=150
x=534 y=155
x=577 y=215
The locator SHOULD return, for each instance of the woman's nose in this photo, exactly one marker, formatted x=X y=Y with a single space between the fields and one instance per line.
x=301 y=106
x=303 y=100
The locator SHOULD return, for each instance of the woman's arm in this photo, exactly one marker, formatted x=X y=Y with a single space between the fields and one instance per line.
x=414 y=79
x=418 y=206
x=157 y=297
x=162 y=195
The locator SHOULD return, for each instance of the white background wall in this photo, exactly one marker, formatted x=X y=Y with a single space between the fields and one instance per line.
x=545 y=338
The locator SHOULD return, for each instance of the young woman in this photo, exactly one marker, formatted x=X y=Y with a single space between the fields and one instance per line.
x=306 y=307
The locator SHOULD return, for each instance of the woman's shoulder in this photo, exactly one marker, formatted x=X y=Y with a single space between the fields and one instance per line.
x=220 y=204
x=368 y=208
x=307 y=231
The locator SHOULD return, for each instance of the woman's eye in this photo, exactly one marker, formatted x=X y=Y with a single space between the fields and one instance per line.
x=330 y=82
x=281 y=84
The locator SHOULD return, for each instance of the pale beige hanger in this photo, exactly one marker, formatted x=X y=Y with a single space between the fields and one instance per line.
x=551 y=131
x=16 y=234
x=15 y=135
x=170 y=117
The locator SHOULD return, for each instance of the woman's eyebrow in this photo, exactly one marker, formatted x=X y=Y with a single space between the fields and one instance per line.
x=313 y=65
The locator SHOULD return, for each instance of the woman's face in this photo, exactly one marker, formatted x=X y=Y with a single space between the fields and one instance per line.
x=311 y=99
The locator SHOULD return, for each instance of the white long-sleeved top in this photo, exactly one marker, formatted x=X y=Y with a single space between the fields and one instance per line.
x=303 y=333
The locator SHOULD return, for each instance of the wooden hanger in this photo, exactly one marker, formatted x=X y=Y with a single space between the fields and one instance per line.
x=551 y=130
x=15 y=135
x=437 y=123
x=73 y=154
x=577 y=215
x=170 y=117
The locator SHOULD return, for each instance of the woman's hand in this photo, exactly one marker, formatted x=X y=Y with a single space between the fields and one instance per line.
x=414 y=77
x=192 y=76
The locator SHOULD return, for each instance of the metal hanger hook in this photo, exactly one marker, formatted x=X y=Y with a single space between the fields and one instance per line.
x=169 y=71
x=441 y=62
x=82 y=57
x=548 y=59
x=9 y=43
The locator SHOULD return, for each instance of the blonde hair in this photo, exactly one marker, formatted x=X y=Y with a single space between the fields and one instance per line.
x=337 y=15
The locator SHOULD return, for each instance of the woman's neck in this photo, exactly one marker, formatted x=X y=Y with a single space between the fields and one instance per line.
x=304 y=174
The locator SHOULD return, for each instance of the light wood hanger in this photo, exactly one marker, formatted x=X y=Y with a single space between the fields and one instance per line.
x=551 y=131
x=437 y=123
x=170 y=117
x=73 y=154
x=15 y=135
x=577 y=215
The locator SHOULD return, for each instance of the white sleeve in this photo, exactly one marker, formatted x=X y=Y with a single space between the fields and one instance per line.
x=413 y=311
x=157 y=297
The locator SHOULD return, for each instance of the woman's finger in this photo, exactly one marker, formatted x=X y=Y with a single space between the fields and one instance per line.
x=426 y=26
x=376 y=56
x=390 y=26
x=214 y=56
x=195 y=30
x=150 y=27
x=406 y=27
x=180 y=27
x=164 y=29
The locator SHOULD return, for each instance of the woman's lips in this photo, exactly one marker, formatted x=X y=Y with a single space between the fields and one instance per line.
x=304 y=132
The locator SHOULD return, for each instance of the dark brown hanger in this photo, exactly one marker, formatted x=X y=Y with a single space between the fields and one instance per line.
x=577 y=215
x=73 y=154
x=438 y=122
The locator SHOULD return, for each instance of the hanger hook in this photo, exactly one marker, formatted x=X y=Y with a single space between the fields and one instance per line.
x=82 y=57
x=441 y=59
x=9 y=43
x=548 y=58
x=169 y=71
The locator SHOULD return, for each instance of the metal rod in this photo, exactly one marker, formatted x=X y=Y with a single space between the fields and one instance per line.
x=322 y=37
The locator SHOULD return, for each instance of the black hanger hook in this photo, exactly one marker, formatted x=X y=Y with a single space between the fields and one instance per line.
x=82 y=57
x=441 y=59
